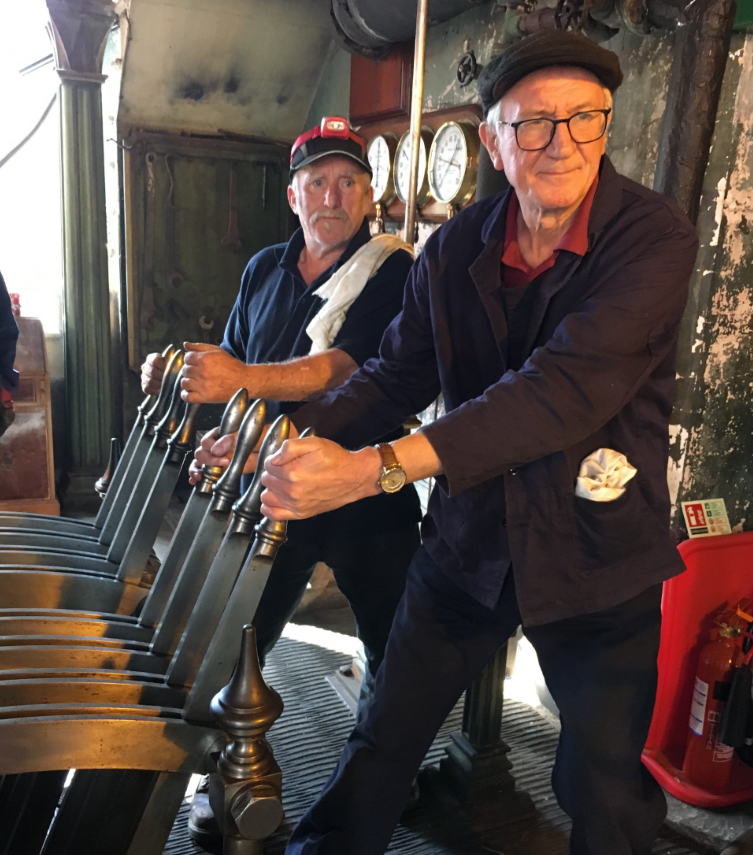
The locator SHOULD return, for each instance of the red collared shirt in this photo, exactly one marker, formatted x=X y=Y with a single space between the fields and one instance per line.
x=515 y=270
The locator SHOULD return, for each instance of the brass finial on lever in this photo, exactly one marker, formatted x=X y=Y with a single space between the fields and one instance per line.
x=231 y=422
x=246 y=709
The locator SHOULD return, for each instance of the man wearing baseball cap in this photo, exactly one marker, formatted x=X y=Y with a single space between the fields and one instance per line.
x=309 y=314
x=547 y=316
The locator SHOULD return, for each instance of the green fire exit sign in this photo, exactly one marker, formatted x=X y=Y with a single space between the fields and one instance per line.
x=744 y=17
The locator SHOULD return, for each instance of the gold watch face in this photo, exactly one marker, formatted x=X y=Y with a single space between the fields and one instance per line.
x=392 y=480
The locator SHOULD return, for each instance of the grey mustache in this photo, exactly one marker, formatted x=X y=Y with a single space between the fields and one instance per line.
x=338 y=214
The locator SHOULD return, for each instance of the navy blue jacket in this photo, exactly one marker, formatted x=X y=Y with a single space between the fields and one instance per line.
x=599 y=372
x=8 y=339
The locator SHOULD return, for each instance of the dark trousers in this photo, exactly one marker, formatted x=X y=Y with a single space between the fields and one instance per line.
x=600 y=669
x=370 y=571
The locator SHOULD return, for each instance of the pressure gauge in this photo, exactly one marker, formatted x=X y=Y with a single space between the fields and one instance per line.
x=402 y=168
x=381 y=154
x=453 y=163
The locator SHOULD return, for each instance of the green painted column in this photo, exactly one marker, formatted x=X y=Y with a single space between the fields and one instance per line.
x=79 y=30
x=476 y=770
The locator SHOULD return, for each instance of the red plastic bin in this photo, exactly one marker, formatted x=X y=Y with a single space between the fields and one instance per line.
x=719 y=574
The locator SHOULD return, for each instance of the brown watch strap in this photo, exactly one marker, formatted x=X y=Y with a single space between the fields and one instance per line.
x=389 y=458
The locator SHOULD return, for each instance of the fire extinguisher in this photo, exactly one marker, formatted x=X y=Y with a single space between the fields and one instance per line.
x=708 y=762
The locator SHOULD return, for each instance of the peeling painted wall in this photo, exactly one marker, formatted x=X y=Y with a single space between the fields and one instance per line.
x=246 y=66
x=715 y=362
x=639 y=103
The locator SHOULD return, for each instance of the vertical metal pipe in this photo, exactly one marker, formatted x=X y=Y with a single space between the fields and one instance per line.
x=700 y=58
x=416 y=110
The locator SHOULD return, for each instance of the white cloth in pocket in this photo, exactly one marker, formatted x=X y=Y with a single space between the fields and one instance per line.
x=603 y=475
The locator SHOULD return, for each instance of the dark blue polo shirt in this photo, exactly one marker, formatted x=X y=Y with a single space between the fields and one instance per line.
x=268 y=324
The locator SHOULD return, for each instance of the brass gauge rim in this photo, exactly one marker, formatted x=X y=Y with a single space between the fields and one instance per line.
x=472 y=148
x=390 y=193
x=423 y=192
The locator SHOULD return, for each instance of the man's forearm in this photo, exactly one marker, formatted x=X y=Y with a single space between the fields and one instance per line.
x=312 y=476
x=300 y=379
x=211 y=374
x=417 y=457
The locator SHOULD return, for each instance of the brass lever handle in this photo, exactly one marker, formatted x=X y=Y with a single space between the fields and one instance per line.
x=228 y=488
x=169 y=378
x=247 y=510
x=231 y=423
x=148 y=403
x=269 y=535
x=169 y=424
x=182 y=441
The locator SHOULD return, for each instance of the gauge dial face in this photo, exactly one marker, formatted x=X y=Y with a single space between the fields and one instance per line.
x=448 y=162
x=402 y=167
x=380 y=160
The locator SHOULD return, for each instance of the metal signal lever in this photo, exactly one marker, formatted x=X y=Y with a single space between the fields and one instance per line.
x=191 y=519
x=217 y=664
x=226 y=565
x=209 y=538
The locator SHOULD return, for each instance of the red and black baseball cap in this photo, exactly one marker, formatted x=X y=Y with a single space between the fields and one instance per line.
x=332 y=136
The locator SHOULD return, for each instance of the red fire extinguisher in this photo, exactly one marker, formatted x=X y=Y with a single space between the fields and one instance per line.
x=708 y=762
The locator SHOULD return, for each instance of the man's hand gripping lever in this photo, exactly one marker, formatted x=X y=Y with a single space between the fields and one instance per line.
x=203 y=474
x=309 y=476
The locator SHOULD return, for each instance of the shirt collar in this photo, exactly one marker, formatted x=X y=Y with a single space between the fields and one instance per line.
x=575 y=240
x=289 y=260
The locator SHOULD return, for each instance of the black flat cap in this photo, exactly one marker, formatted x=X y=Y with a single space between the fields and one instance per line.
x=553 y=47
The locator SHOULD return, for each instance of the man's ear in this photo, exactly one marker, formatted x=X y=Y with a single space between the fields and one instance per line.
x=292 y=201
x=488 y=136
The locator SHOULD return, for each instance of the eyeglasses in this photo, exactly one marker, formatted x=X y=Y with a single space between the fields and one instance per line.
x=536 y=134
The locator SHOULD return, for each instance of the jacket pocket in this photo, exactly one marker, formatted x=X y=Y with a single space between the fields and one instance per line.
x=611 y=532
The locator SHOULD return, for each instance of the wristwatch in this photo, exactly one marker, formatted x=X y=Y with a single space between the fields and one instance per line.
x=393 y=477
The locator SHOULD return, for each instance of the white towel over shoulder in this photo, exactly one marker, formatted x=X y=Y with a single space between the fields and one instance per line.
x=342 y=289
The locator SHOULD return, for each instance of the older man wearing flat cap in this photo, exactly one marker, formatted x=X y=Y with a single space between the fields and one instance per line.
x=547 y=317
